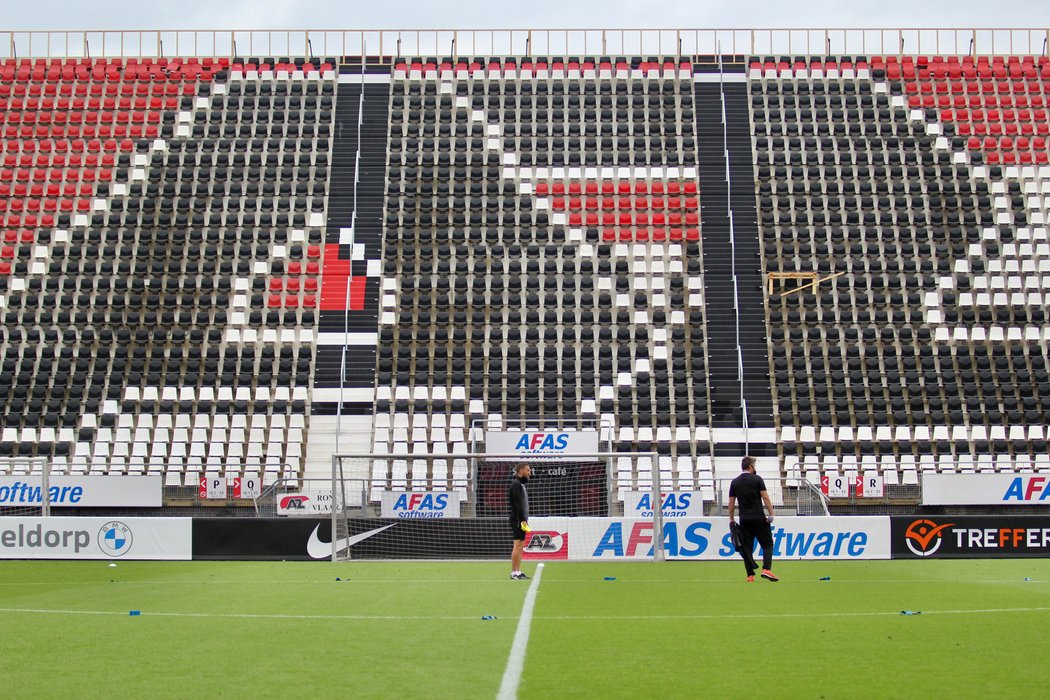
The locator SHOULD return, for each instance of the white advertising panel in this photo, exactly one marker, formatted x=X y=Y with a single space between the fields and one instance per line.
x=310 y=503
x=542 y=444
x=676 y=504
x=96 y=538
x=985 y=489
x=592 y=539
x=83 y=491
x=420 y=504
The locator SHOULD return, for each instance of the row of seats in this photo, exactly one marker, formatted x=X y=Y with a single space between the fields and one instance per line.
x=626 y=475
x=541 y=68
x=965 y=67
x=176 y=471
x=556 y=93
x=897 y=67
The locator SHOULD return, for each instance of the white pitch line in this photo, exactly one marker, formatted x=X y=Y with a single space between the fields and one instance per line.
x=521 y=636
x=777 y=616
x=244 y=616
x=500 y=581
x=795 y=582
x=212 y=581
x=508 y=687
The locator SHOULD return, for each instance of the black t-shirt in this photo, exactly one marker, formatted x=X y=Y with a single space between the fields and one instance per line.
x=747 y=489
x=518 y=500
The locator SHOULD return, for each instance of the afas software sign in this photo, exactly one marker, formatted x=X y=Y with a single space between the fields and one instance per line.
x=971 y=536
x=985 y=489
x=542 y=444
x=674 y=504
x=82 y=491
x=590 y=539
x=420 y=504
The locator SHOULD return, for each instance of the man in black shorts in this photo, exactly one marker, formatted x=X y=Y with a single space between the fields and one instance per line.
x=750 y=490
x=518 y=499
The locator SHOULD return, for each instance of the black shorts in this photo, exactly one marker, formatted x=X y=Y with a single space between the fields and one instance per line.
x=516 y=531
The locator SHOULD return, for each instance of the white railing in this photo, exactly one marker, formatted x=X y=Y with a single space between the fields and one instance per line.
x=796 y=496
x=384 y=44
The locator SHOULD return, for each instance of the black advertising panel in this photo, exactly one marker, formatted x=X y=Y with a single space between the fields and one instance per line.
x=257 y=538
x=309 y=539
x=969 y=536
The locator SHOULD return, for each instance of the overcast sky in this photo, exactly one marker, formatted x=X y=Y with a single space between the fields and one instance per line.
x=289 y=14
x=223 y=16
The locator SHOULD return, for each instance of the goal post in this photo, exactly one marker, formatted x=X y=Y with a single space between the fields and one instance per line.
x=455 y=506
x=25 y=487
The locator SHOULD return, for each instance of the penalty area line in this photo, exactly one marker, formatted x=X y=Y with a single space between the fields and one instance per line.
x=508 y=687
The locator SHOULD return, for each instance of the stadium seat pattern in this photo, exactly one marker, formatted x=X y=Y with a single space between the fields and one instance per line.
x=542 y=259
x=197 y=263
x=161 y=264
x=928 y=351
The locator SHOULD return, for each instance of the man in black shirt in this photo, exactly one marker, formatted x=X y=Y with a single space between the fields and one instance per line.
x=518 y=499
x=750 y=490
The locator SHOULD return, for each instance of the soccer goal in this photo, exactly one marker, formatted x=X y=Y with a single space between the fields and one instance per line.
x=455 y=506
x=25 y=487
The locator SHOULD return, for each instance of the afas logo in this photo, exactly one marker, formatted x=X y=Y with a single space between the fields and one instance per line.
x=924 y=537
x=546 y=544
x=543 y=442
x=670 y=504
x=421 y=505
x=1028 y=489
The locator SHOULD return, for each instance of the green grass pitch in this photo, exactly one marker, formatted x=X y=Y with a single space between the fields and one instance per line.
x=392 y=630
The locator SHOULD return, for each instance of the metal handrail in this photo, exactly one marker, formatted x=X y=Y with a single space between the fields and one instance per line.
x=780 y=487
x=386 y=43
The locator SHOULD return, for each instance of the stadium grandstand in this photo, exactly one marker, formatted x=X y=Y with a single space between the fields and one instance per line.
x=240 y=254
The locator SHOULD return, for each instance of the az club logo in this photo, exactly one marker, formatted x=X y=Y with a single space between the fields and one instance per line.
x=544 y=542
x=546 y=545
x=923 y=537
x=294 y=502
x=114 y=539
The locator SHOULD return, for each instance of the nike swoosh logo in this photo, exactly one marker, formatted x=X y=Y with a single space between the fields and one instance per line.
x=323 y=550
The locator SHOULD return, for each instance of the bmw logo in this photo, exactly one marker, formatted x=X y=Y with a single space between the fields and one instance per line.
x=114 y=539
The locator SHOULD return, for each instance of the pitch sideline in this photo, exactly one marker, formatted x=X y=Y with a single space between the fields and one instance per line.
x=508 y=689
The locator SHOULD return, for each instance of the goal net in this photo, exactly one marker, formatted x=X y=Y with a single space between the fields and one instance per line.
x=25 y=487
x=456 y=506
